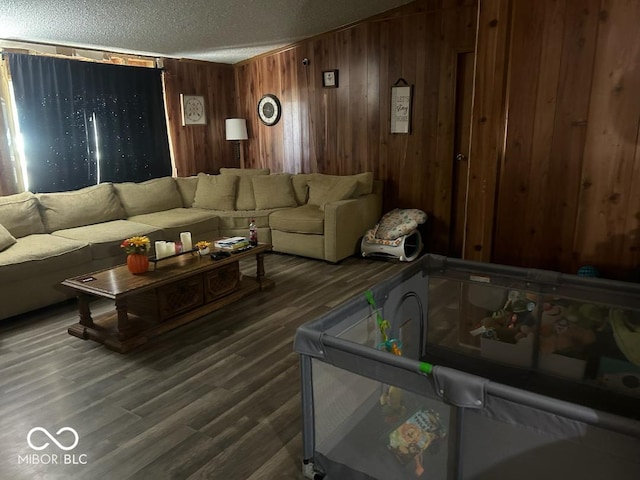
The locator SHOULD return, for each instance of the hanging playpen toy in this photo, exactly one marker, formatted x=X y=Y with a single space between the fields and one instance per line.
x=391 y=345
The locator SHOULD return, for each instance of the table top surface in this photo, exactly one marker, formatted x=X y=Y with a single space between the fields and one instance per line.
x=116 y=282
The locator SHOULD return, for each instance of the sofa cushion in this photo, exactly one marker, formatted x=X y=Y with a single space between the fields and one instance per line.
x=76 y=208
x=365 y=184
x=244 y=171
x=301 y=187
x=239 y=219
x=187 y=188
x=105 y=238
x=20 y=215
x=36 y=255
x=318 y=186
x=244 y=197
x=151 y=196
x=305 y=219
x=273 y=191
x=177 y=220
x=325 y=189
x=216 y=192
x=6 y=239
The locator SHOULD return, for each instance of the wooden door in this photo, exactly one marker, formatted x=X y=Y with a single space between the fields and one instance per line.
x=462 y=132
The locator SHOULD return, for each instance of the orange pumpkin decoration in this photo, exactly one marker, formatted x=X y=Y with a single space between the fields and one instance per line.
x=137 y=263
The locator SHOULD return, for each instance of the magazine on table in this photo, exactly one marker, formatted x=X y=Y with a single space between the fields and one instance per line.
x=232 y=243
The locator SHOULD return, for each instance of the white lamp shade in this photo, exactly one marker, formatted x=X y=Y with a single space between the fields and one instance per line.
x=236 y=129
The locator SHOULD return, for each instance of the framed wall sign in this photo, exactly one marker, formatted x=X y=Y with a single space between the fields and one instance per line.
x=269 y=109
x=401 y=107
x=330 y=79
x=193 y=112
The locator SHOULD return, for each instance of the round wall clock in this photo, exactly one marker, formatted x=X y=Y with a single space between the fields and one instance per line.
x=269 y=109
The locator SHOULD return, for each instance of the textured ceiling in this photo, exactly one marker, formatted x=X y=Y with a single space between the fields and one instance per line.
x=225 y=31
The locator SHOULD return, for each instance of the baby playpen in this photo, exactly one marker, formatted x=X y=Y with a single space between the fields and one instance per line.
x=498 y=372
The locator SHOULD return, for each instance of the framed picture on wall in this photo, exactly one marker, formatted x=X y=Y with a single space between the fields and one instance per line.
x=193 y=112
x=330 y=79
x=401 y=107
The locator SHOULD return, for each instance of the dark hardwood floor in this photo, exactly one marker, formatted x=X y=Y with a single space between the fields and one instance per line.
x=218 y=398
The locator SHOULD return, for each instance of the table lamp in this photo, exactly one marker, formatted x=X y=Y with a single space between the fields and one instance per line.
x=236 y=130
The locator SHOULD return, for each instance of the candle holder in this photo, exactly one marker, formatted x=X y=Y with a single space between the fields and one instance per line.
x=155 y=260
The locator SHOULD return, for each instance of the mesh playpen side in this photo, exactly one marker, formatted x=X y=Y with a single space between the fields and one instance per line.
x=369 y=414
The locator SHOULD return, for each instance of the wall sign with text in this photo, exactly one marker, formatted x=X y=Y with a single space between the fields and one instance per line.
x=401 y=108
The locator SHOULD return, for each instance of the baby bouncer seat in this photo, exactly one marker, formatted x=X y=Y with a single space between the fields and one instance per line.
x=396 y=235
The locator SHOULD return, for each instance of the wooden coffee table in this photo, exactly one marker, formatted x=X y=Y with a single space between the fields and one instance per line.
x=179 y=290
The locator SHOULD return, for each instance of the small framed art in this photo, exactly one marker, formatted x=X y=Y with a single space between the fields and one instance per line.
x=401 y=108
x=330 y=79
x=193 y=112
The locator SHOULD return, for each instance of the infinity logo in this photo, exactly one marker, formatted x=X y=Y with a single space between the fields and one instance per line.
x=62 y=447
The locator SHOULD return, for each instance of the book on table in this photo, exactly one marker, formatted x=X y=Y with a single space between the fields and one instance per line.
x=232 y=243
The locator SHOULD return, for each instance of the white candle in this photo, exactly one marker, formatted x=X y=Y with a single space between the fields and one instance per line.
x=171 y=248
x=185 y=238
x=159 y=250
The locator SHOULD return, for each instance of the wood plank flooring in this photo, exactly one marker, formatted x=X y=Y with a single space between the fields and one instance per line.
x=218 y=398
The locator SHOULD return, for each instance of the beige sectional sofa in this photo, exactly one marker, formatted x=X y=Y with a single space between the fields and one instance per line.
x=45 y=238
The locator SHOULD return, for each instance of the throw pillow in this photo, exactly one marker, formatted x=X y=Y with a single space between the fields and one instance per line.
x=341 y=189
x=6 y=239
x=365 y=184
x=245 y=199
x=154 y=195
x=76 y=208
x=399 y=222
x=319 y=185
x=187 y=188
x=326 y=189
x=301 y=187
x=216 y=192
x=273 y=191
x=20 y=215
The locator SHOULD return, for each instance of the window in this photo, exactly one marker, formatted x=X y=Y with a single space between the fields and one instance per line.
x=84 y=123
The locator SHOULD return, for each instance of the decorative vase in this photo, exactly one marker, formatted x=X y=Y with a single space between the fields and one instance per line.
x=137 y=263
x=204 y=252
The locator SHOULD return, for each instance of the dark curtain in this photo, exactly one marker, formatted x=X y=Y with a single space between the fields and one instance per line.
x=84 y=123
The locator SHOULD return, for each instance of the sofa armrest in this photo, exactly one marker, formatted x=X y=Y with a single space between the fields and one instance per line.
x=346 y=221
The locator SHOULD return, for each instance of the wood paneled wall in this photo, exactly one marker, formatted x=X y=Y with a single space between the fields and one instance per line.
x=345 y=130
x=554 y=167
x=487 y=127
x=200 y=148
x=569 y=183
